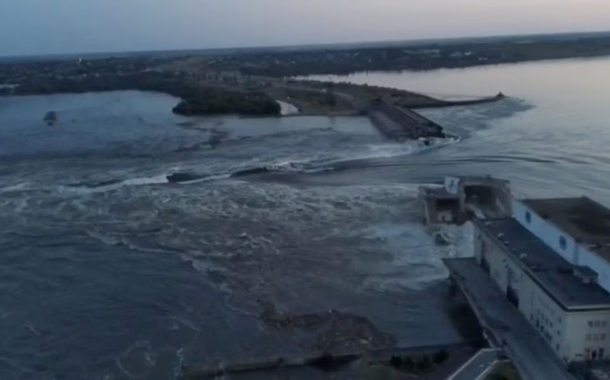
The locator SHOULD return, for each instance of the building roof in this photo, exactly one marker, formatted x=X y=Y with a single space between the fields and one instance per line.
x=549 y=270
x=584 y=219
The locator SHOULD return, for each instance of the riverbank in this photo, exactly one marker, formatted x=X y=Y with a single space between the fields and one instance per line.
x=204 y=92
x=196 y=98
x=424 y=56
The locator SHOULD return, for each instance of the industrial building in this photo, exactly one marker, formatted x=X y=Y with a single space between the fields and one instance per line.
x=462 y=197
x=552 y=261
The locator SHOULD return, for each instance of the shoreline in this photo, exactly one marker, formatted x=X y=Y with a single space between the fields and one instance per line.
x=202 y=92
x=340 y=73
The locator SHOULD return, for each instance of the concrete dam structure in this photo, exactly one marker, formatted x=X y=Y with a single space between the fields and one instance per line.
x=401 y=124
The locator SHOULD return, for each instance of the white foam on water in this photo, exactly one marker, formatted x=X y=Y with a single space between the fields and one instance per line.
x=389 y=150
x=417 y=259
x=18 y=187
x=206 y=179
x=155 y=180
x=143 y=181
x=287 y=108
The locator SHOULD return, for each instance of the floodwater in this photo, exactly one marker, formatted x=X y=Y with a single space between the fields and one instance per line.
x=108 y=271
x=549 y=138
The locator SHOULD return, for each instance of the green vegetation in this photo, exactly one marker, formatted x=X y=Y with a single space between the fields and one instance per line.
x=377 y=372
x=440 y=357
x=504 y=371
x=420 y=363
x=409 y=56
x=197 y=100
x=225 y=102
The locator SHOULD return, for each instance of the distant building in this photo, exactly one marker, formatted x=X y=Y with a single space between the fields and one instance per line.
x=552 y=260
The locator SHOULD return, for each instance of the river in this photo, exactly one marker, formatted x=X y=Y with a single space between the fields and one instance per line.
x=549 y=138
x=108 y=271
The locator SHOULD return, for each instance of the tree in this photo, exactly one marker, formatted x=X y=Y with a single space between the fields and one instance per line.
x=396 y=362
x=424 y=363
x=440 y=357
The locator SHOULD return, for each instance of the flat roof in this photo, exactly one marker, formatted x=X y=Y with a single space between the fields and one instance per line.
x=550 y=271
x=584 y=219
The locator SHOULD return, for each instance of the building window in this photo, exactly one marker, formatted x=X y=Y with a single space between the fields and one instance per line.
x=602 y=337
x=588 y=337
x=528 y=217
x=563 y=243
x=557 y=347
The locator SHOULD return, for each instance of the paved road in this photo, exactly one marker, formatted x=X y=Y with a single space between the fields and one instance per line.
x=530 y=354
x=476 y=366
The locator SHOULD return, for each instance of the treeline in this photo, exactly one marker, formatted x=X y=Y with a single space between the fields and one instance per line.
x=196 y=100
x=416 y=58
x=225 y=102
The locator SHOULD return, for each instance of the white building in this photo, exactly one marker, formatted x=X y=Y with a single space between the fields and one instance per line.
x=552 y=260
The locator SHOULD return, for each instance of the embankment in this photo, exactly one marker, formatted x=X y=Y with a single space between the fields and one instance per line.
x=327 y=362
x=458 y=103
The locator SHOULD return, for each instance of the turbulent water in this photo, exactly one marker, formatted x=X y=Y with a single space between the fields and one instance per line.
x=110 y=270
x=550 y=138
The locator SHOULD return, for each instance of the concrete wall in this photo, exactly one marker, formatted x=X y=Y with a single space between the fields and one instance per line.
x=545 y=231
x=429 y=210
x=569 y=334
x=502 y=270
x=504 y=201
x=452 y=185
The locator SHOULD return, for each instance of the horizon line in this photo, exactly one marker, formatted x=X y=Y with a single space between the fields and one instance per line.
x=312 y=46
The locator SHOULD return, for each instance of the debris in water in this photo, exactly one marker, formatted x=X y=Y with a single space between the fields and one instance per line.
x=50 y=118
x=331 y=330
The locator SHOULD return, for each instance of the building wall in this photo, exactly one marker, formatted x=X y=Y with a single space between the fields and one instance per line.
x=553 y=237
x=588 y=336
x=595 y=262
x=502 y=270
x=574 y=253
x=569 y=334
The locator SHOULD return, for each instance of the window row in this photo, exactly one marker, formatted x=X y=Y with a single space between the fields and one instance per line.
x=598 y=323
x=596 y=337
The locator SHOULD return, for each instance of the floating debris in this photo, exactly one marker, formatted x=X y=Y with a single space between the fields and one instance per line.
x=50 y=118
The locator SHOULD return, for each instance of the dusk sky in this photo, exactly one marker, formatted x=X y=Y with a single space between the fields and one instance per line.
x=30 y=27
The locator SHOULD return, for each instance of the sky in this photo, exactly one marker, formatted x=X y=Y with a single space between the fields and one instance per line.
x=33 y=27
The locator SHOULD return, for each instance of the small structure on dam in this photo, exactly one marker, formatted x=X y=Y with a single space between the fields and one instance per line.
x=463 y=197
